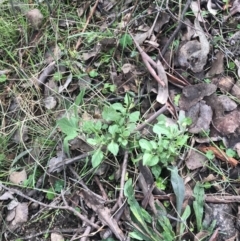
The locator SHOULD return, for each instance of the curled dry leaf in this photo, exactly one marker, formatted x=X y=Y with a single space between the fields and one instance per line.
x=162 y=95
x=10 y=215
x=6 y=196
x=12 y=204
x=217 y=65
x=210 y=9
x=18 y=177
x=195 y=6
x=190 y=32
x=35 y=18
x=201 y=115
x=161 y=20
x=193 y=54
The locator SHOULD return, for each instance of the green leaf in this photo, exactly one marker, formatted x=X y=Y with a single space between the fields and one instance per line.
x=50 y=195
x=147 y=158
x=184 y=218
x=181 y=140
x=79 y=98
x=160 y=129
x=178 y=188
x=113 y=129
x=88 y=127
x=136 y=235
x=119 y=107
x=113 y=148
x=93 y=73
x=154 y=144
x=124 y=142
x=3 y=78
x=230 y=153
x=126 y=133
x=156 y=170
x=109 y=114
x=145 y=144
x=137 y=210
x=92 y=141
x=198 y=204
x=134 y=117
x=59 y=185
x=97 y=158
x=210 y=155
x=176 y=99
x=125 y=40
x=70 y=137
x=57 y=76
x=68 y=126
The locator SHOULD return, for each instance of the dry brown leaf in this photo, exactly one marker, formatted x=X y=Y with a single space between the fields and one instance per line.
x=126 y=68
x=210 y=9
x=195 y=160
x=227 y=103
x=190 y=32
x=217 y=65
x=13 y=204
x=224 y=83
x=50 y=102
x=201 y=116
x=219 y=154
x=56 y=237
x=35 y=18
x=18 y=177
x=6 y=196
x=197 y=11
x=194 y=93
x=21 y=215
x=228 y=123
x=11 y=215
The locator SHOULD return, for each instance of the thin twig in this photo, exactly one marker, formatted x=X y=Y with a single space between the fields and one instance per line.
x=104 y=194
x=151 y=118
x=180 y=23
x=19 y=193
x=86 y=24
x=148 y=61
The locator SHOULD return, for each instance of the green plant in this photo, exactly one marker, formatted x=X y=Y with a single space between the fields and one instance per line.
x=114 y=131
x=170 y=139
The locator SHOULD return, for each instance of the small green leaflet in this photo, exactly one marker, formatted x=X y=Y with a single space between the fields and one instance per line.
x=125 y=40
x=68 y=126
x=113 y=148
x=178 y=188
x=3 y=78
x=198 y=204
x=97 y=158
x=134 y=117
x=145 y=145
